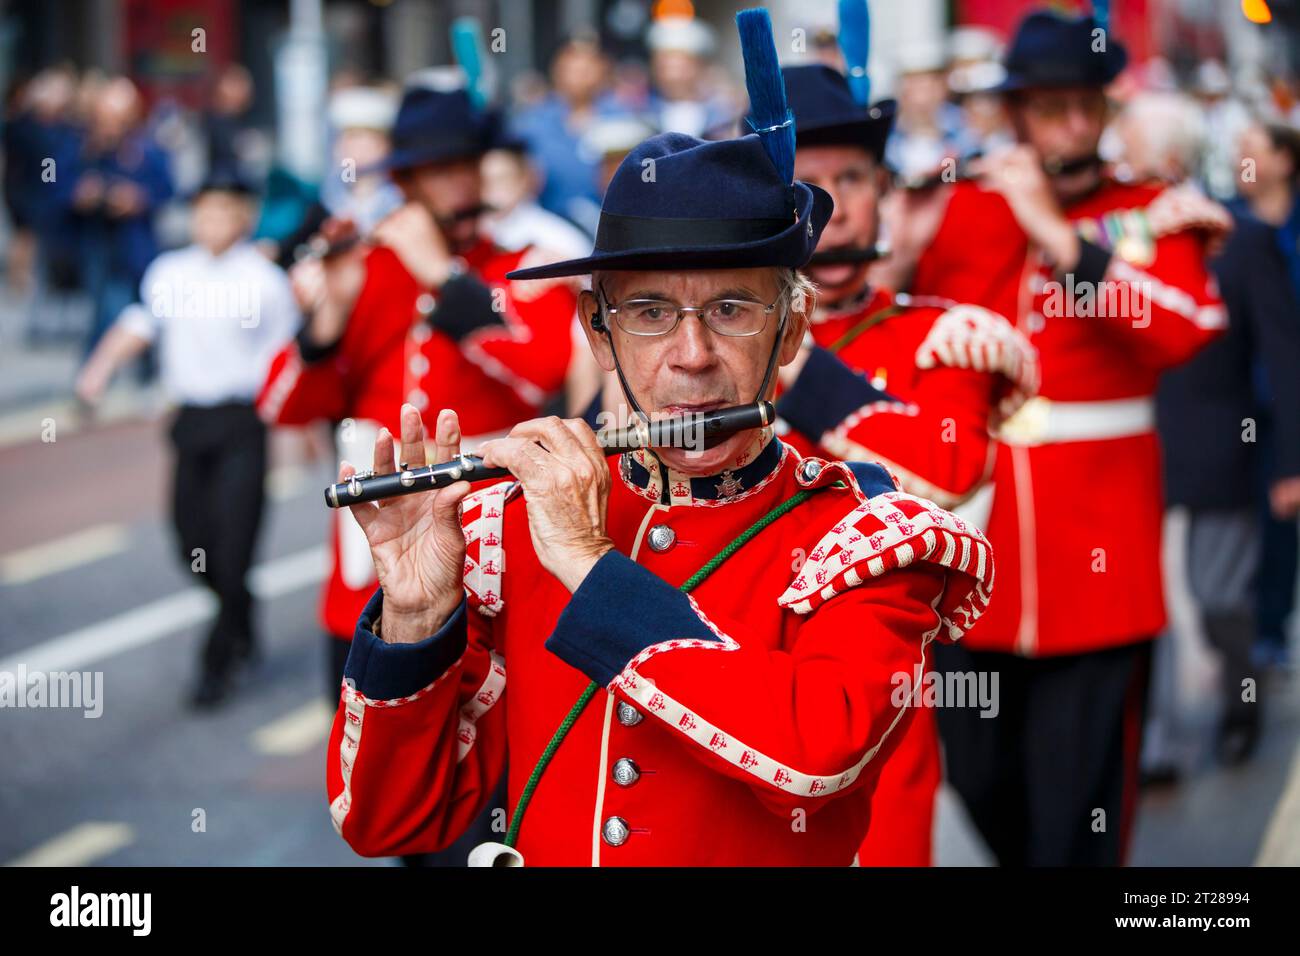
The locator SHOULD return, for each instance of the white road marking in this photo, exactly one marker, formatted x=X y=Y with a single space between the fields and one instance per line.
x=296 y=732
x=60 y=554
x=1281 y=843
x=166 y=616
x=82 y=845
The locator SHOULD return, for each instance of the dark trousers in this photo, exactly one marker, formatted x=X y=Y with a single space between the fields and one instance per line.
x=217 y=503
x=1050 y=780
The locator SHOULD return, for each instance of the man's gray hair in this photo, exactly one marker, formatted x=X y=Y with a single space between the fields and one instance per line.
x=796 y=292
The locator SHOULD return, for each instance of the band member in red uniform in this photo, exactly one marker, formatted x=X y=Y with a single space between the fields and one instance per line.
x=728 y=709
x=421 y=313
x=913 y=387
x=1109 y=282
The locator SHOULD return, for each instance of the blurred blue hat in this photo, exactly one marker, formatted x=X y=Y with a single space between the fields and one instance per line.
x=1053 y=50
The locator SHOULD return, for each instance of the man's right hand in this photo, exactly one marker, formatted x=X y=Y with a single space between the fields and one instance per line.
x=327 y=289
x=416 y=540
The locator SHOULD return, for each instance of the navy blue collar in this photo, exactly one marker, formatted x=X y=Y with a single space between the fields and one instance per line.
x=753 y=468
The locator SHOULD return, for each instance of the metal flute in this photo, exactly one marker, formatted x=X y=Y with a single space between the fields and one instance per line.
x=684 y=431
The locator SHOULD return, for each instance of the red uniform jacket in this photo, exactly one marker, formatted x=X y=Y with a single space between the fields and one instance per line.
x=916 y=389
x=744 y=723
x=495 y=376
x=1077 y=502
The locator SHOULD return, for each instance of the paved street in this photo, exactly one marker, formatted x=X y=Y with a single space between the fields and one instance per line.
x=88 y=582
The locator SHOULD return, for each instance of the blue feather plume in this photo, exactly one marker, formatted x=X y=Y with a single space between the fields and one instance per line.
x=770 y=115
x=1101 y=13
x=855 y=44
x=467 y=48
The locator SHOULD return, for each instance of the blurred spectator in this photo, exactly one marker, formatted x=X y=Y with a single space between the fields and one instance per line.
x=1157 y=135
x=630 y=87
x=612 y=139
x=1225 y=119
x=929 y=128
x=973 y=80
x=219 y=311
x=553 y=130
x=19 y=133
x=683 y=99
x=515 y=219
x=360 y=118
x=825 y=48
x=1211 y=412
x=587 y=389
x=236 y=148
x=40 y=158
x=121 y=180
x=1270 y=187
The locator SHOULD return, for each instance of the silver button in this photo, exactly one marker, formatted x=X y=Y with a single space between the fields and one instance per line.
x=1035 y=322
x=425 y=304
x=419 y=364
x=421 y=333
x=628 y=715
x=662 y=538
x=614 y=831
x=626 y=772
x=417 y=398
x=810 y=469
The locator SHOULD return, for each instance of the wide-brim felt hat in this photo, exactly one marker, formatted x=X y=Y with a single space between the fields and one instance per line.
x=826 y=114
x=1051 y=50
x=437 y=126
x=677 y=203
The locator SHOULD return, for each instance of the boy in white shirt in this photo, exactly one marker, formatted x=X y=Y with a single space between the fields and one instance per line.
x=218 y=311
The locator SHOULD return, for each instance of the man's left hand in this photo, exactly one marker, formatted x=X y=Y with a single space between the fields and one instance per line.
x=566 y=484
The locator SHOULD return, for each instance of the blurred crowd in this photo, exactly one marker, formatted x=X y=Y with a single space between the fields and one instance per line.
x=121 y=174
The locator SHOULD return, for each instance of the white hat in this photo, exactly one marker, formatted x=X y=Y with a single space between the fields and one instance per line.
x=974 y=43
x=1212 y=79
x=362 y=107
x=976 y=77
x=924 y=56
x=680 y=33
x=615 y=135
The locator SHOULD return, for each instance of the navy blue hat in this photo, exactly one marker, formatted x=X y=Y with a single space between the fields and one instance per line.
x=826 y=114
x=434 y=126
x=677 y=202
x=1053 y=50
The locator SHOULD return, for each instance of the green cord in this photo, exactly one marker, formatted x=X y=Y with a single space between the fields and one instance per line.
x=875 y=318
x=694 y=581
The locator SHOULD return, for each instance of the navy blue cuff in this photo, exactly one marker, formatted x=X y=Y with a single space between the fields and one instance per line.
x=388 y=671
x=618 y=611
x=310 y=352
x=826 y=392
x=1092 y=265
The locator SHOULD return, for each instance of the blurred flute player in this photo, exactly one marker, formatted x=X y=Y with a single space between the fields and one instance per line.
x=221 y=311
x=712 y=708
x=420 y=312
x=1108 y=280
x=912 y=387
